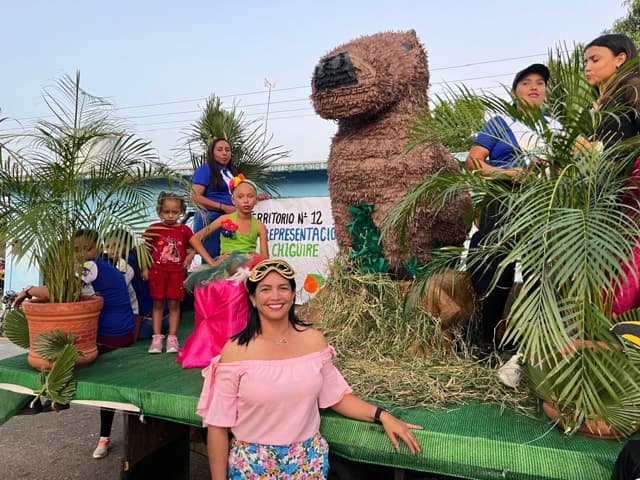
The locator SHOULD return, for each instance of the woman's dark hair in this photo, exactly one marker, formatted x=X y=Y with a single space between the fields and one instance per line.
x=216 y=182
x=253 y=328
x=618 y=43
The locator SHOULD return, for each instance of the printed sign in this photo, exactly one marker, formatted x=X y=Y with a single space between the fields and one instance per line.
x=301 y=231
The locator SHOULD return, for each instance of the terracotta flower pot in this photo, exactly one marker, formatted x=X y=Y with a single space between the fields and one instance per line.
x=79 y=318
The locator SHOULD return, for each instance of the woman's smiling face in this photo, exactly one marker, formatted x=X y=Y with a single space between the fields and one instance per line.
x=273 y=298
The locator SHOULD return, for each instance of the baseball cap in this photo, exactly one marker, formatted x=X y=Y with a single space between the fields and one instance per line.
x=533 y=68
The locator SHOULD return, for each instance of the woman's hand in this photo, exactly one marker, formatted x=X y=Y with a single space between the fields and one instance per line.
x=22 y=296
x=354 y=407
x=395 y=428
x=226 y=209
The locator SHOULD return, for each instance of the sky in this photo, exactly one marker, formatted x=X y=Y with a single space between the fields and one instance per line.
x=157 y=61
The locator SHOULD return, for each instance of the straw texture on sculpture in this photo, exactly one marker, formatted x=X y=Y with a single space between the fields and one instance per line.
x=373 y=86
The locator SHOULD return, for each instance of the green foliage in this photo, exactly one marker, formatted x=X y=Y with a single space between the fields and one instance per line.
x=79 y=171
x=366 y=248
x=455 y=120
x=51 y=344
x=58 y=385
x=252 y=153
x=563 y=66
x=568 y=227
x=16 y=328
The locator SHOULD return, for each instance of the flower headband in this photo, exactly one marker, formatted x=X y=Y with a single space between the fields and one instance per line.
x=238 y=179
x=271 y=265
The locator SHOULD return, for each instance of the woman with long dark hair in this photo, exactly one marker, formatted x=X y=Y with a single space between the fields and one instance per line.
x=267 y=384
x=210 y=190
x=611 y=66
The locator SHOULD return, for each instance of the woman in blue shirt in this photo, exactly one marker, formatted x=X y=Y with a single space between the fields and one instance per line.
x=210 y=190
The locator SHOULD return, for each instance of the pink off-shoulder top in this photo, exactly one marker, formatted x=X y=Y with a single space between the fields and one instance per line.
x=271 y=402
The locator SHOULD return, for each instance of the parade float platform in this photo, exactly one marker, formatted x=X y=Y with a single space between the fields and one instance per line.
x=473 y=441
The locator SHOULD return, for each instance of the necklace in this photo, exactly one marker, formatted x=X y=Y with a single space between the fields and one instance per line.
x=280 y=341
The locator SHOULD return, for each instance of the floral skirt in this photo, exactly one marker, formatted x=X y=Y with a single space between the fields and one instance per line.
x=304 y=460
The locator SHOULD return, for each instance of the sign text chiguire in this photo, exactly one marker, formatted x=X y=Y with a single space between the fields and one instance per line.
x=301 y=231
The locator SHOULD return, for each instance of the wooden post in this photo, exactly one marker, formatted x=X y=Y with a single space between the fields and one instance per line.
x=155 y=448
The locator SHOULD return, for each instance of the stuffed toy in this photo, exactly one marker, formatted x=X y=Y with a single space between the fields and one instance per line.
x=374 y=86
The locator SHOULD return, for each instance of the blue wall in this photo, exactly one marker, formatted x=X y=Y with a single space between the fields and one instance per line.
x=304 y=184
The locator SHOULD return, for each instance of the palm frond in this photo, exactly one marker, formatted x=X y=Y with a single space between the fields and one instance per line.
x=457 y=116
x=16 y=328
x=51 y=344
x=58 y=385
x=79 y=171
x=572 y=230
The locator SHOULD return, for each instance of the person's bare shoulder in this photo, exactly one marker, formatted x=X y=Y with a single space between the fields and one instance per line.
x=232 y=352
x=313 y=339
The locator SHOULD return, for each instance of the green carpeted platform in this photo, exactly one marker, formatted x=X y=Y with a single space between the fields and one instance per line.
x=475 y=441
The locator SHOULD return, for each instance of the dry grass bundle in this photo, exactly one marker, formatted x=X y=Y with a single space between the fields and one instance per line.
x=376 y=333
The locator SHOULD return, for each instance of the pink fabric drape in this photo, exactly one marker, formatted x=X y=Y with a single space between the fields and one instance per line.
x=220 y=312
x=626 y=296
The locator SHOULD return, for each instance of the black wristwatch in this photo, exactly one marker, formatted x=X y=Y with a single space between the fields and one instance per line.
x=26 y=292
x=376 y=416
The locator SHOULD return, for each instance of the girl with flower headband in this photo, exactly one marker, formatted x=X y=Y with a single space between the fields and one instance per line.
x=268 y=384
x=220 y=302
x=240 y=231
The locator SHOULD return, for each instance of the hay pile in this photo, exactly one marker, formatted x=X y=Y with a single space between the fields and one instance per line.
x=395 y=353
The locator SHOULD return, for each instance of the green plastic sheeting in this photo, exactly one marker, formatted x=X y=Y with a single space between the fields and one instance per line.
x=11 y=403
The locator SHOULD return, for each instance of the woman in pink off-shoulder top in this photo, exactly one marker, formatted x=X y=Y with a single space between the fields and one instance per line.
x=267 y=386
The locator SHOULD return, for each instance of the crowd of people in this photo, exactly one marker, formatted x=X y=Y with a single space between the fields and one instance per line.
x=262 y=421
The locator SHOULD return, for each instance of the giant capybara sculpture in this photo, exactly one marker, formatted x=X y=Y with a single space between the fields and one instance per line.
x=374 y=86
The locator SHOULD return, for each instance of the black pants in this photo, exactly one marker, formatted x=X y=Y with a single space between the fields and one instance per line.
x=627 y=466
x=483 y=271
x=106 y=421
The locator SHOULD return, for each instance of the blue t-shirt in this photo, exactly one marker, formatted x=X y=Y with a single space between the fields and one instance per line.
x=509 y=141
x=116 y=318
x=202 y=176
x=497 y=137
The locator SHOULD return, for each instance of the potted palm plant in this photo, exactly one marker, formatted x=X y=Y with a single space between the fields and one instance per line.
x=79 y=170
x=566 y=223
